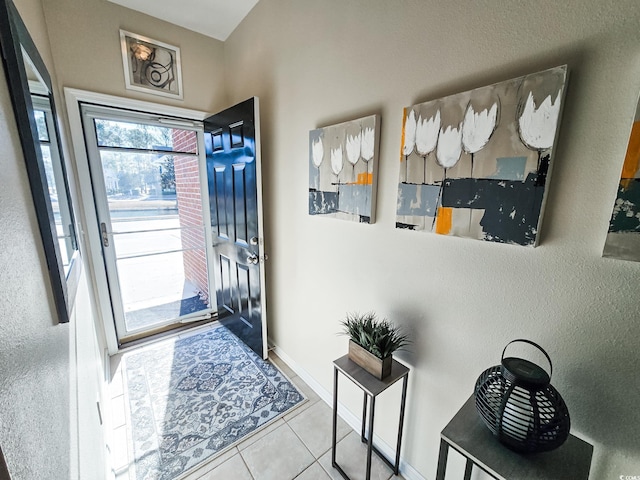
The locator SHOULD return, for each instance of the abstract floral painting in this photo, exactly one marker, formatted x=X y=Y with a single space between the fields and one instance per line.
x=623 y=238
x=151 y=66
x=343 y=161
x=476 y=164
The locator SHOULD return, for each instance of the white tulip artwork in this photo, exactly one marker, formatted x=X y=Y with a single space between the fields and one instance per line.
x=537 y=125
x=368 y=146
x=449 y=147
x=485 y=158
x=427 y=132
x=317 y=155
x=337 y=162
x=409 y=136
x=353 y=150
x=477 y=129
x=344 y=184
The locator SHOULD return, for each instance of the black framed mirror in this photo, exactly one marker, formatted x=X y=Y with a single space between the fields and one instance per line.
x=31 y=94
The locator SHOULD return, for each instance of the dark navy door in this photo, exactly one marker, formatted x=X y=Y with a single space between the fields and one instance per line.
x=232 y=140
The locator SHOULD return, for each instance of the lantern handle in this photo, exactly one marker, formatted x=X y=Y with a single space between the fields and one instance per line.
x=535 y=345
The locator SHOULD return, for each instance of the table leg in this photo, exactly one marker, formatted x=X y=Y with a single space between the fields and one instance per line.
x=363 y=437
x=370 y=444
x=468 y=469
x=442 y=460
x=335 y=417
x=396 y=470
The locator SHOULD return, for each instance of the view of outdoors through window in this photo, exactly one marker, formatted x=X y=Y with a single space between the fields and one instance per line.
x=55 y=181
x=152 y=183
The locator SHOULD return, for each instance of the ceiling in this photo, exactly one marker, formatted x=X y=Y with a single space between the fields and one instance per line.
x=214 y=18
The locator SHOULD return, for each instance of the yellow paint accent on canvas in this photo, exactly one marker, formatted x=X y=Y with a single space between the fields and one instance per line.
x=632 y=158
x=404 y=122
x=443 y=221
x=364 y=179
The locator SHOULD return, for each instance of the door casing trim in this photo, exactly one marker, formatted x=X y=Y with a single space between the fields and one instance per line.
x=88 y=220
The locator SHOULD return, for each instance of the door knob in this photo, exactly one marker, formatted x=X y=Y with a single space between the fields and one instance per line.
x=253 y=259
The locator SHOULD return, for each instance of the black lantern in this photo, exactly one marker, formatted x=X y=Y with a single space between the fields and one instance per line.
x=519 y=405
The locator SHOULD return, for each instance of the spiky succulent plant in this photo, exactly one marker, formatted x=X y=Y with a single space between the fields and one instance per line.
x=379 y=337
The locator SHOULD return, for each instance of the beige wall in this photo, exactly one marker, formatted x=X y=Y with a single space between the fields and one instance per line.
x=317 y=63
x=85 y=42
x=35 y=384
x=51 y=376
x=85 y=46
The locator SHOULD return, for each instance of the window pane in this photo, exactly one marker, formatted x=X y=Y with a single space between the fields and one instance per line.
x=146 y=242
x=140 y=176
x=41 y=125
x=156 y=289
x=155 y=210
x=59 y=205
x=48 y=168
x=118 y=134
x=57 y=192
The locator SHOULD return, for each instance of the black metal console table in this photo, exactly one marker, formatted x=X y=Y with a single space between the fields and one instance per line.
x=467 y=434
x=371 y=387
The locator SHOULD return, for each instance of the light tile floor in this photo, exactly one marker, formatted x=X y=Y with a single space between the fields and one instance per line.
x=297 y=446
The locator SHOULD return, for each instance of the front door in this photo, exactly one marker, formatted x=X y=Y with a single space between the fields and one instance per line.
x=232 y=142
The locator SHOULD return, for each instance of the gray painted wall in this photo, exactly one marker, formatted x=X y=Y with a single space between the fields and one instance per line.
x=318 y=63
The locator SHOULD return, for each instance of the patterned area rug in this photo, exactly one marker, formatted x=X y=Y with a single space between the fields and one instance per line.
x=194 y=397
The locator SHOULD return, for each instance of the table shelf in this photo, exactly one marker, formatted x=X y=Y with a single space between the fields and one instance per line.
x=469 y=436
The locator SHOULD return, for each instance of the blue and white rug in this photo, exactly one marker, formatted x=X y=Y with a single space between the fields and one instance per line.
x=191 y=398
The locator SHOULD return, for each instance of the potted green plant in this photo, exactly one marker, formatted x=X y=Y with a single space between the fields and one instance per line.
x=372 y=342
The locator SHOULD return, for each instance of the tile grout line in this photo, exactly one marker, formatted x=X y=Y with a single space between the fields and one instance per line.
x=303 y=443
x=316 y=459
x=338 y=440
x=244 y=463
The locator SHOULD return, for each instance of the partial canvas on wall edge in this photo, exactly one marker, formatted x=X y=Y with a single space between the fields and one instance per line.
x=623 y=237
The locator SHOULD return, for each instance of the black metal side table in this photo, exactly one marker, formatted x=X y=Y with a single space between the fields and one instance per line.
x=371 y=387
x=468 y=435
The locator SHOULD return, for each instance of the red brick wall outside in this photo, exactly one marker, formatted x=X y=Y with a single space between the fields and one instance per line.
x=190 y=211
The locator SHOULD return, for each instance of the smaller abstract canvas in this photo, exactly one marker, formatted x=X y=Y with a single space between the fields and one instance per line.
x=343 y=162
x=151 y=66
x=623 y=238
x=476 y=164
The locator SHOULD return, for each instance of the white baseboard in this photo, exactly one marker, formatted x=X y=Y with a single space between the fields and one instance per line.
x=406 y=470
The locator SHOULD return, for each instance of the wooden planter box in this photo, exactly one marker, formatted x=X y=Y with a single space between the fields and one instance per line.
x=379 y=368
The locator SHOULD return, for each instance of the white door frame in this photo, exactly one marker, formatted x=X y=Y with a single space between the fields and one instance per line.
x=263 y=248
x=91 y=240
